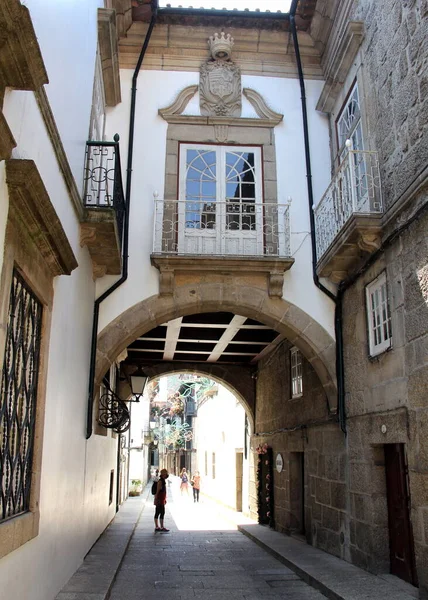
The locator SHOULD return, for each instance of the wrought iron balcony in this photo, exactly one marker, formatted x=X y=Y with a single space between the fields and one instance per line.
x=230 y=228
x=245 y=238
x=104 y=201
x=347 y=218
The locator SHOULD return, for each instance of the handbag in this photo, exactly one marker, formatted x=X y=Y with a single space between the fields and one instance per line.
x=192 y=483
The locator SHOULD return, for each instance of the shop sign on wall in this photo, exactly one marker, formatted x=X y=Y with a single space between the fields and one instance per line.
x=279 y=463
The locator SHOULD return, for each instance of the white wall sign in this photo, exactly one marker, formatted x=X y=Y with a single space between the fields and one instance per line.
x=279 y=463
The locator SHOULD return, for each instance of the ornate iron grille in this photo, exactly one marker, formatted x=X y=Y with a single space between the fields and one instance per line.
x=103 y=179
x=18 y=398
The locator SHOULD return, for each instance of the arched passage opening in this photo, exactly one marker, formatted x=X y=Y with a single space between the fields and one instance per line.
x=281 y=316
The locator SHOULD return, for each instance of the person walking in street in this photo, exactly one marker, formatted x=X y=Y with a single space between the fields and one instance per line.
x=184 y=485
x=196 y=484
x=160 y=501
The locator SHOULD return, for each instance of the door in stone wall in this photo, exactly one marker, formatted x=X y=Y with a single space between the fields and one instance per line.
x=400 y=531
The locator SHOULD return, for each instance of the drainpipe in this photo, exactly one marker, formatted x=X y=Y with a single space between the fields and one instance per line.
x=124 y=276
x=336 y=299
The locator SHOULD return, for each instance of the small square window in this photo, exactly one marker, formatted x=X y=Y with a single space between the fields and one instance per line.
x=296 y=373
x=378 y=316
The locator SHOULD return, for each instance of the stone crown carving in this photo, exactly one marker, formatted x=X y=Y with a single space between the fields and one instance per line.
x=221 y=46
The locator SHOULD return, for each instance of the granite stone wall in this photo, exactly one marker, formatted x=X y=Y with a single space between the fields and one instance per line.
x=309 y=497
x=387 y=401
x=395 y=72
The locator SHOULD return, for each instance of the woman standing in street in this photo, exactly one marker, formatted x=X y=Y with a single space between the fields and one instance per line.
x=160 y=501
x=184 y=485
x=196 y=483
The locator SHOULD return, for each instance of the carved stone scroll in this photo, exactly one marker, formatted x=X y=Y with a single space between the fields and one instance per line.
x=260 y=106
x=180 y=103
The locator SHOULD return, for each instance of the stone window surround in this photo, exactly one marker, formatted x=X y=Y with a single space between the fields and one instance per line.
x=385 y=345
x=262 y=137
x=36 y=245
x=19 y=253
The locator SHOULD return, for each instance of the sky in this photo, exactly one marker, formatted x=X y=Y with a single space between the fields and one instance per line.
x=263 y=5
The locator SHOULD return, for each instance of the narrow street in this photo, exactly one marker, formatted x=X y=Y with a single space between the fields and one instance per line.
x=205 y=556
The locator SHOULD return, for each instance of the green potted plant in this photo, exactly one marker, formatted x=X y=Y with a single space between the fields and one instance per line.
x=136 y=487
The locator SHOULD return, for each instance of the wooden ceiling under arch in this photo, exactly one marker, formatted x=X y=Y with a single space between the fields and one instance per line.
x=220 y=337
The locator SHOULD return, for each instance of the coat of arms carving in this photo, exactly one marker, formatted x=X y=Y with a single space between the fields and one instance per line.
x=220 y=81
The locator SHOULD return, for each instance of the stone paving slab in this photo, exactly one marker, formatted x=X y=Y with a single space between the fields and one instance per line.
x=131 y=562
x=94 y=578
x=335 y=578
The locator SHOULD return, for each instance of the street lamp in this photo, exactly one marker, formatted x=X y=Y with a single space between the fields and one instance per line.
x=138 y=383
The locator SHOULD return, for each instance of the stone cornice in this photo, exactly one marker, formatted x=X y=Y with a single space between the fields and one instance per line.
x=52 y=129
x=109 y=54
x=343 y=56
x=269 y=270
x=32 y=206
x=21 y=62
x=339 y=67
x=256 y=52
x=232 y=121
x=7 y=141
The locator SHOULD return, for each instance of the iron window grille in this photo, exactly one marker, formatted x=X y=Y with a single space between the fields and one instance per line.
x=378 y=316
x=18 y=398
x=296 y=373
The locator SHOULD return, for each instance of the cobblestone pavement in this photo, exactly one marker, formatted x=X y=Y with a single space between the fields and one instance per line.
x=204 y=556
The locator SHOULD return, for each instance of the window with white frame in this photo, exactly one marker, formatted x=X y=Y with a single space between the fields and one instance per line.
x=220 y=199
x=349 y=127
x=378 y=316
x=348 y=124
x=296 y=373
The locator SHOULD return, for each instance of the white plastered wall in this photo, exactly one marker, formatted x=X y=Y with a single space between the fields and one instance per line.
x=158 y=89
x=74 y=497
x=220 y=429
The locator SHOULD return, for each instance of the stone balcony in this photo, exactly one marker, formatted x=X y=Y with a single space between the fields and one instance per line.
x=348 y=216
x=204 y=239
x=102 y=226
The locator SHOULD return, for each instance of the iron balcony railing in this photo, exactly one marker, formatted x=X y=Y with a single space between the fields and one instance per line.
x=103 y=179
x=354 y=190
x=228 y=228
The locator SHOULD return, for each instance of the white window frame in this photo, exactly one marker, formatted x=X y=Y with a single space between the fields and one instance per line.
x=378 y=315
x=296 y=373
x=353 y=130
x=223 y=241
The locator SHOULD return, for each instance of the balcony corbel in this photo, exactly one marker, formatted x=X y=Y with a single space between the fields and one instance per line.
x=361 y=236
x=263 y=272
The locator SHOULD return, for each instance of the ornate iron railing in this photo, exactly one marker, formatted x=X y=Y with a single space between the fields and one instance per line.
x=103 y=179
x=355 y=189
x=18 y=398
x=228 y=228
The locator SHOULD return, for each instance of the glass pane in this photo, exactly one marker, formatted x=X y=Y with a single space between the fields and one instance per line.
x=232 y=190
x=208 y=189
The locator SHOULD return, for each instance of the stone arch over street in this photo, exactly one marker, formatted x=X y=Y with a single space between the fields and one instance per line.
x=287 y=319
